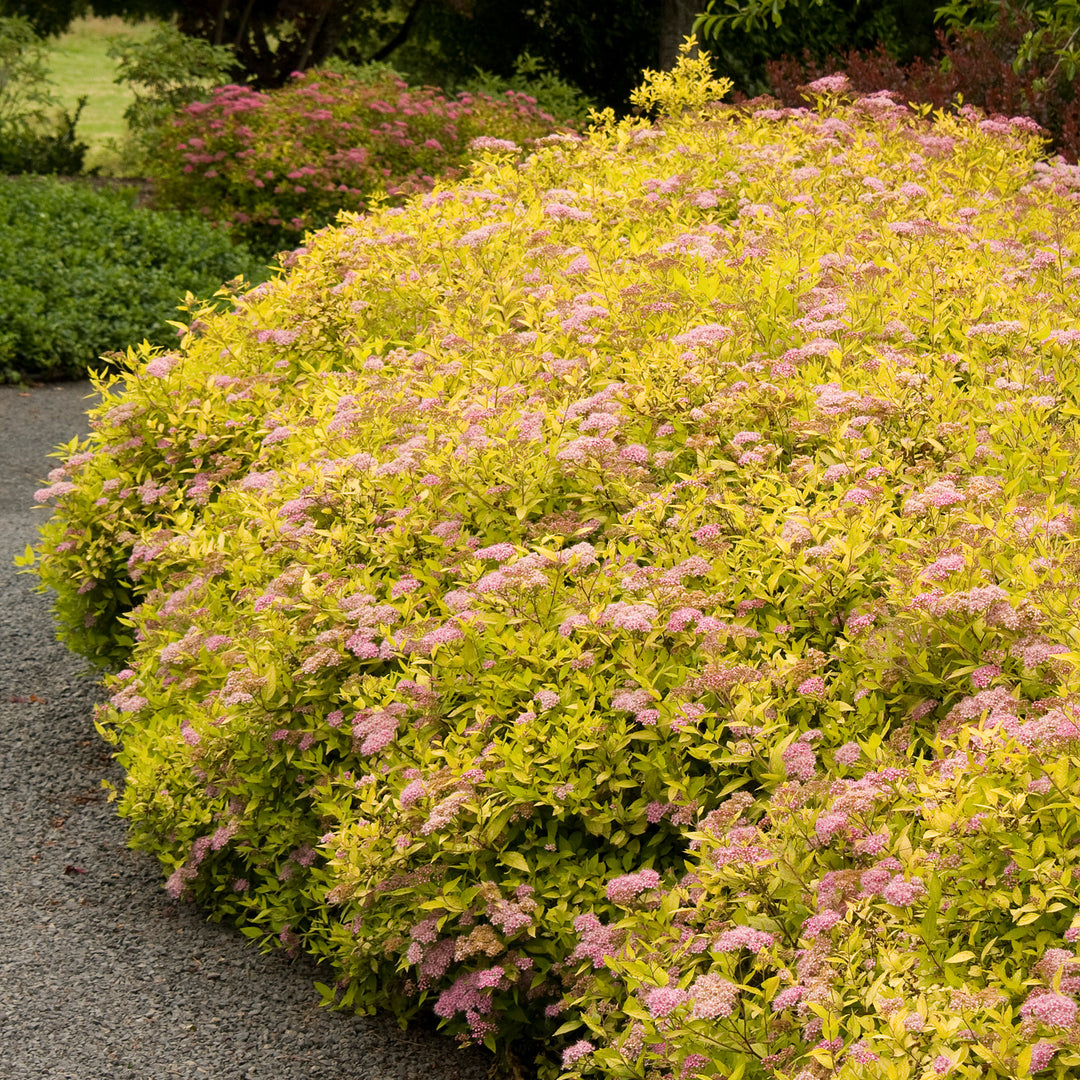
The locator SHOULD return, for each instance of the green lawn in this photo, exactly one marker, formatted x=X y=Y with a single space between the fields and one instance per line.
x=79 y=65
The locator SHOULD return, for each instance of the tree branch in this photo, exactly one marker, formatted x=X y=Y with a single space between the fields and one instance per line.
x=242 y=28
x=309 y=44
x=399 y=38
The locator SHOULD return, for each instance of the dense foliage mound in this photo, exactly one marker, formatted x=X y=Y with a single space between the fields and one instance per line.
x=275 y=164
x=84 y=272
x=627 y=598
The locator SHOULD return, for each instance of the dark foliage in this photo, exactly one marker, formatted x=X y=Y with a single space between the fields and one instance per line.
x=84 y=272
x=28 y=149
x=975 y=66
x=905 y=28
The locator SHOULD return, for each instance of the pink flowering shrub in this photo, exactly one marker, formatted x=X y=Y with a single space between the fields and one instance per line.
x=930 y=928
x=274 y=164
x=648 y=629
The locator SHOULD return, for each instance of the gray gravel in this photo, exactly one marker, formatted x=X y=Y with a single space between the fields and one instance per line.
x=101 y=976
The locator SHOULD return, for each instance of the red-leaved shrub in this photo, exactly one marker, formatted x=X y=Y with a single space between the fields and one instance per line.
x=977 y=71
x=272 y=165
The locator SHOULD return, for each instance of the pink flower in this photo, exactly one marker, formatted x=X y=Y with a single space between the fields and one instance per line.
x=874 y=881
x=902 y=893
x=943 y=567
x=561 y=211
x=404 y=586
x=713 y=997
x=741 y=438
x=829 y=84
x=1049 y=1008
x=743 y=937
x=44 y=494
x=1041 y=1055
x=499 y=552
x=664 y=1000
x=631 y=700
x=597 y=940
x=636 y=453
x=861 y=1053
x=709 y=334
x=799 y=761
x=829 y=825
x=481 y=235
x=580 y=265
x=160 y=366
x=490 y=979
x=623 y=890
x=818 y=924
x=578 y=1050
x=981 y=677
x=692 y=1064
x=487 y=142
x=786 y=998
x=412 y=793
x=812 y=687
x=848 y=754
x=640 y=617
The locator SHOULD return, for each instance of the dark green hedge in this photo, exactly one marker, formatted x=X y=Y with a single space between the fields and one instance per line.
x=85 y=272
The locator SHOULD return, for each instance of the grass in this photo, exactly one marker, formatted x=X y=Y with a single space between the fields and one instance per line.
x=79 y=66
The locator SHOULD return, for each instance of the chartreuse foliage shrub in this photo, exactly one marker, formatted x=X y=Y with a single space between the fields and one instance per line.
x=626 y=599
x=274 y=164
x=84 y=272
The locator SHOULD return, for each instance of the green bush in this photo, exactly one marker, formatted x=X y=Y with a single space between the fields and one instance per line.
x=44 y=150
x=84 y=272
x=36 y=136
x=549 y=93
x=627 y=599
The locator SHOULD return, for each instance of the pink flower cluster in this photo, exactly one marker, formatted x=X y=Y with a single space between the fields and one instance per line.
x=627 y=888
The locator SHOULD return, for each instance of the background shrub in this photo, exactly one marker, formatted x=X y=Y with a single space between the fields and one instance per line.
x=84 y=272
x=36 y=136
x=976 y=66
x=43 y=149
x=273 y=165
x=166 y=71
x=744 y=36
x=552 y=95
x=557 y=595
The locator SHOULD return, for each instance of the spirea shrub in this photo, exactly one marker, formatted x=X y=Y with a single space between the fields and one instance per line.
x=274 y=164
x=626 y=599
x=84 y=272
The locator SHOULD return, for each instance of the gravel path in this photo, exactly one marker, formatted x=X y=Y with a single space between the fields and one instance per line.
x=101 y=976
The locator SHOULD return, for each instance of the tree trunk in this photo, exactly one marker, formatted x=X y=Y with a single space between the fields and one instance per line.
x=676 y=18
x=402 y=34
x=219 y=23
x=241 y=28
x=312 y=37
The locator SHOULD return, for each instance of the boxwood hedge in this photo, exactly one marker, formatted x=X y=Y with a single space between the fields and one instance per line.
x=85 y=271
